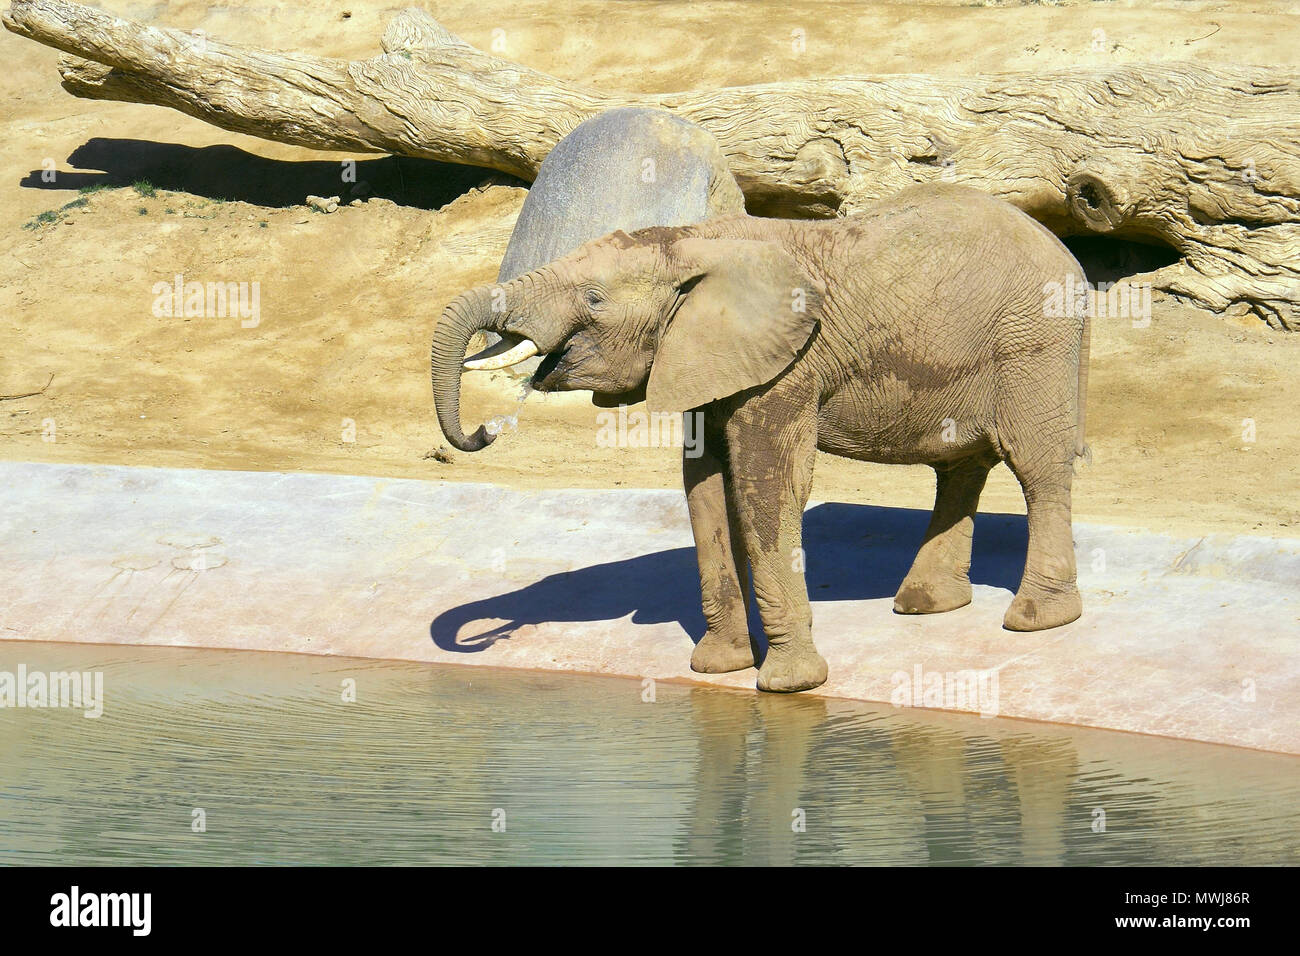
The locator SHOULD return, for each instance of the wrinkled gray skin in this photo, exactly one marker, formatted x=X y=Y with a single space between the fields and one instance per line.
x=919 y=331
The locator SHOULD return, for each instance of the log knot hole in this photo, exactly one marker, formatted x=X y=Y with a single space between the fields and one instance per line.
x=1098 y=194
x=820 y=161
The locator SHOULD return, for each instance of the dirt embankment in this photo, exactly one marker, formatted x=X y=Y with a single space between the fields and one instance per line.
x=1191 y=418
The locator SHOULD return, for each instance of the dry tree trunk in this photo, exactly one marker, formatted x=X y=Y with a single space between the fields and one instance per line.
x=1204 y=160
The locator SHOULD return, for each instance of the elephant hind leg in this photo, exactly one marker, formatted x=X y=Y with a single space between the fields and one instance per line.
x=939 y=579
x=1048 y=595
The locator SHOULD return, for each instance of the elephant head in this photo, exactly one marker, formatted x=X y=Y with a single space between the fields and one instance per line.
x=677 y=319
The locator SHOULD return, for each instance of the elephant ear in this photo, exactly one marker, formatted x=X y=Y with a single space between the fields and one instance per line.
x=746 y=311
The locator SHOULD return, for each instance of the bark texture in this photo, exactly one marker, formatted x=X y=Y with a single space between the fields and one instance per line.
x=1205 y=160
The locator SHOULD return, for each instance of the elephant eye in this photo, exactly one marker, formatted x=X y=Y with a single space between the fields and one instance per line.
x=593 y=297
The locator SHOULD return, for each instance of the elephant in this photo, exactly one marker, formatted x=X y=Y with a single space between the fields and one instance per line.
x=940 y=326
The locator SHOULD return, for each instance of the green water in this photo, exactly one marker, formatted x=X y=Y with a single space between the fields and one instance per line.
x=574 y=769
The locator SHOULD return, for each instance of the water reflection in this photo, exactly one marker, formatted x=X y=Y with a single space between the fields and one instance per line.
x=750 y=777
x=947 y=802
x=466 y=764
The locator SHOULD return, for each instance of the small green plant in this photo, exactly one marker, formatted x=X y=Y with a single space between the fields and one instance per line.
x=96 y=188
x=142 y=211
x=171 y=211
x=54 y=215
x=145 y=188
x=42 y=219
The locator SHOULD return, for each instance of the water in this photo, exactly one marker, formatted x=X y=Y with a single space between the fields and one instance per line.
x=583 y=770
x=500 y=423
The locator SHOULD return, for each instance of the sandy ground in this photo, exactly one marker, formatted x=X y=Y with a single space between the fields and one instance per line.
x=334 y=375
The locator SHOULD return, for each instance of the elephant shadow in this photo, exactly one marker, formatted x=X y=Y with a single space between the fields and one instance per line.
x=853 y=553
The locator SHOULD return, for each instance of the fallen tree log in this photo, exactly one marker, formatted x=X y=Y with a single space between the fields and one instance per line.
x=1204 y=160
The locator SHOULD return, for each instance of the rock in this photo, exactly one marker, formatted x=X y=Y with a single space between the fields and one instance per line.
x=327 y=204
x=626 y=169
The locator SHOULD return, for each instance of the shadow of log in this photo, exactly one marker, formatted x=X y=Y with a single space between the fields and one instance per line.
x=229 y=173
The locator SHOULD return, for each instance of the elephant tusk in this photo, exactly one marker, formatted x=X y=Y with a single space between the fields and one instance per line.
x=501 y=355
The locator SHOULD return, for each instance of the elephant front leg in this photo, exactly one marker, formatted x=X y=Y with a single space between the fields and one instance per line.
x=769 y=478
x=724 y=570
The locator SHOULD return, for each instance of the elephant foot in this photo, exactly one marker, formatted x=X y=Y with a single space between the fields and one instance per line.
x=717 y=654
x=791 y=667
x=932 y=596
x=1039 y=610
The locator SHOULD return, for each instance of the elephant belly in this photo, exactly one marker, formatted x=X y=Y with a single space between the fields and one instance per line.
x=901 y=426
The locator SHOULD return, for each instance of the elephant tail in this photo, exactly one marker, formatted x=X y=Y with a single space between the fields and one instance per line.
x=1081 y=450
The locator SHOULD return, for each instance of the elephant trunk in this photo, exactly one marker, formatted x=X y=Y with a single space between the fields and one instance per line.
x=465 y=315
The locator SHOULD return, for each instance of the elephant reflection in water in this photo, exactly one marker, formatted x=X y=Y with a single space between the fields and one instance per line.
x=946 y=797
x=742 y=813
x=973 y=816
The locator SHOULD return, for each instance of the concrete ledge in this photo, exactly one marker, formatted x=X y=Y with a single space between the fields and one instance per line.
x=1189 y=638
